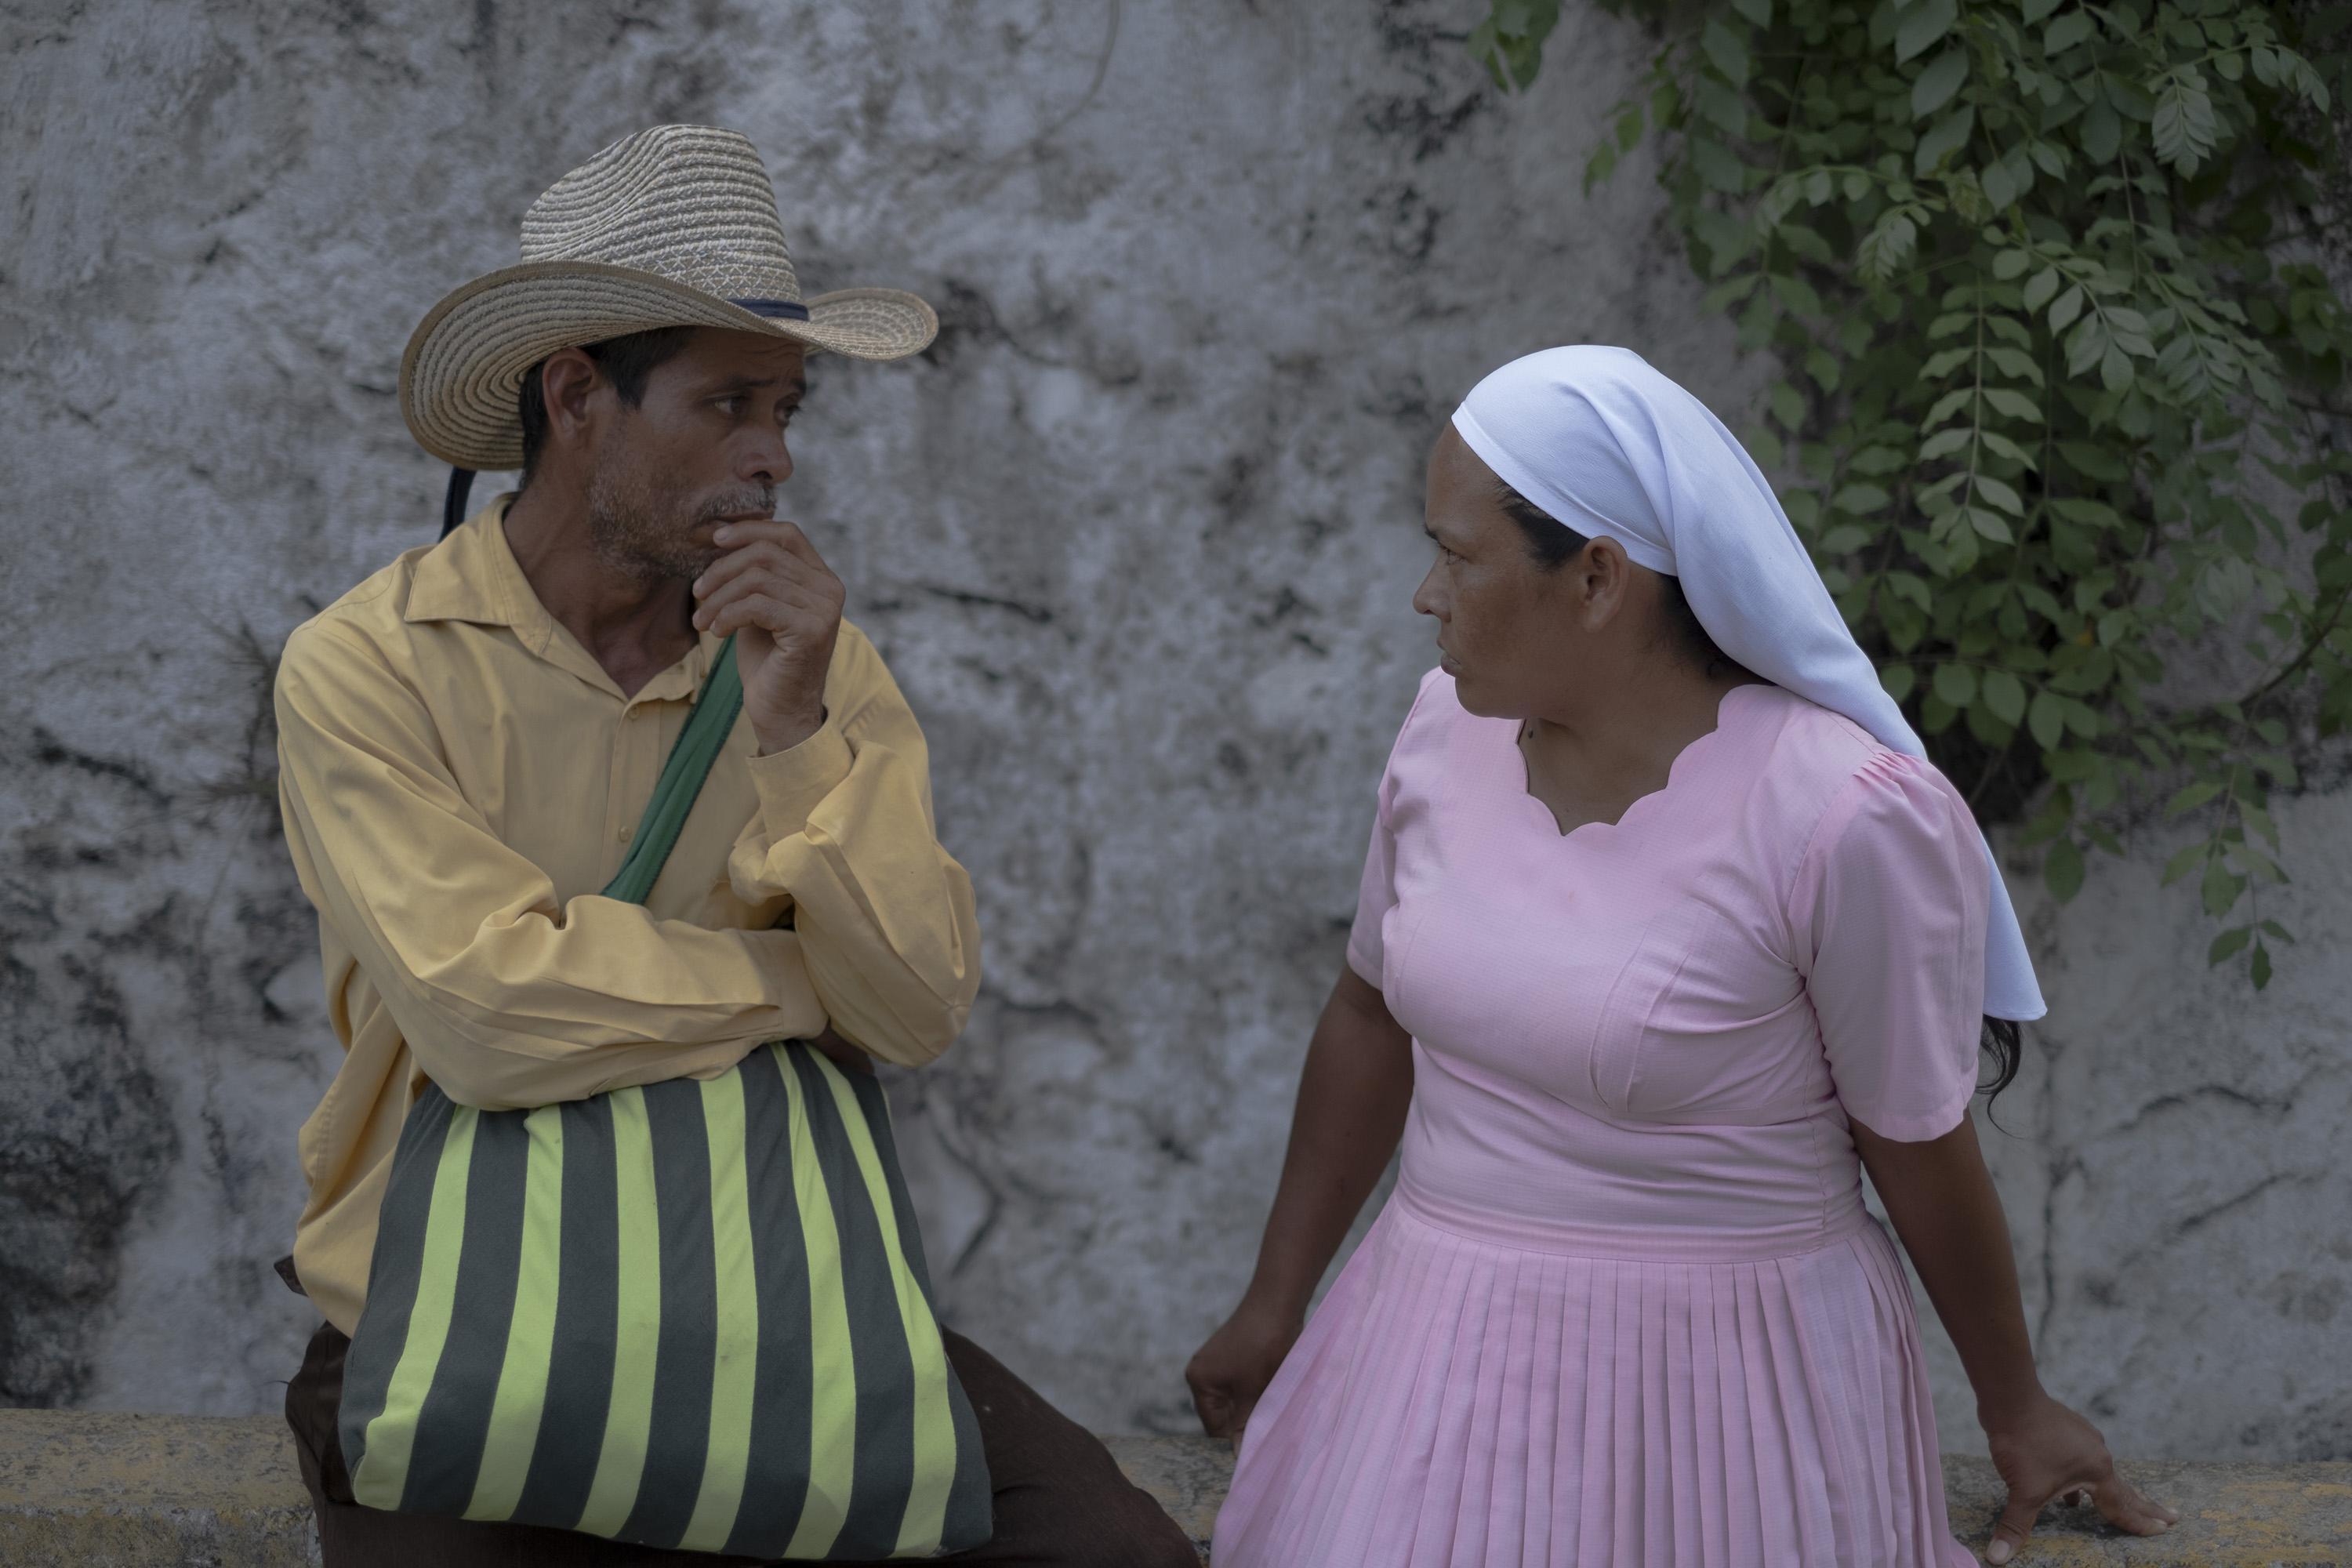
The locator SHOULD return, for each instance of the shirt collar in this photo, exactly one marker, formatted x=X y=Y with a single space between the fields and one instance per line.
x=473 y=577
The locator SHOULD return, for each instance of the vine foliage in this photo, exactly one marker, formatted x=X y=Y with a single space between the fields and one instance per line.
x=2061 y=415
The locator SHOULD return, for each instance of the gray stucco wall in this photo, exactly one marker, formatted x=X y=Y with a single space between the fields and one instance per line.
x=1136 y=537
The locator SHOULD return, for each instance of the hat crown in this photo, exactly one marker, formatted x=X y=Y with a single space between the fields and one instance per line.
x=692 y=204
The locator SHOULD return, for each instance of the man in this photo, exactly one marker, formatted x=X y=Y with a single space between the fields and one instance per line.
x=467 y=739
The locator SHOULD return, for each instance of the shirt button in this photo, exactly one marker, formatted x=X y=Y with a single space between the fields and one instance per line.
x=628 y=834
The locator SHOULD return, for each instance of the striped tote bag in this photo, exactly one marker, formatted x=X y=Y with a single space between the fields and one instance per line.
x=693 y=1315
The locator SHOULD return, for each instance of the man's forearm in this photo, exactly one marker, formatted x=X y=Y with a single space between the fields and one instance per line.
x=1948 y=1214
x=1352 y=1100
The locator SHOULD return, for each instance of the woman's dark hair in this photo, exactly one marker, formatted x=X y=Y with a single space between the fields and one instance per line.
x=2005 y=1043
x=626 y=362
x=1553 y=544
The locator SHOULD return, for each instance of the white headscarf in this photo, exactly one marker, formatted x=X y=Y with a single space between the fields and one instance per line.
x=1607 y=445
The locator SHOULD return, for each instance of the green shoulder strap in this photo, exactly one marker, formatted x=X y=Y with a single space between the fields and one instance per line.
x=706 y=729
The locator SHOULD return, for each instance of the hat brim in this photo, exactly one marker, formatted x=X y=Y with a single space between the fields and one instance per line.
x=464 y=363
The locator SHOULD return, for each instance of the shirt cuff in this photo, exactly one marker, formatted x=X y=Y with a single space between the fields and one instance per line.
x=792 y=783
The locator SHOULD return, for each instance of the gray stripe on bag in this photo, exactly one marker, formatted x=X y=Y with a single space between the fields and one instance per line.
x=398 y=1264
x=972 y=1502
x=776 y=1482
x=579 y=1365
x=679 y=1437
x=452 y=1426
x=877 y=1339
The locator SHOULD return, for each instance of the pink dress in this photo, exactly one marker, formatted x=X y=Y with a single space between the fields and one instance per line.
x=1625 y=1306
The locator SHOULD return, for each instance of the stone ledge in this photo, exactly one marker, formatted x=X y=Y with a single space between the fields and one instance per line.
x=83 y=1489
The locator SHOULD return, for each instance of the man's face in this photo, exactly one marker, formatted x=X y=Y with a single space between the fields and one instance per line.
x=704 y=446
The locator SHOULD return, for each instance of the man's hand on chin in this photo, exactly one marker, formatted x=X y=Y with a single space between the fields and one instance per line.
x=783 y=604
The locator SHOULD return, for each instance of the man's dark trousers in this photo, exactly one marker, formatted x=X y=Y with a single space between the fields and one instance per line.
x=1061 y=1501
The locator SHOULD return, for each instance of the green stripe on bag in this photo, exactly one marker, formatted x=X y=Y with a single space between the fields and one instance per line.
x=521 y=1397
x=933 y=1428
x=833 y=1391
x=637 y=1323
x=735 y=1362
x=380 y=1478
x=587 y=1314
x=694 y=1314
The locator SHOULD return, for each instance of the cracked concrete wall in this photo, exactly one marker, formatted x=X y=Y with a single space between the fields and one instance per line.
x=1136 y=537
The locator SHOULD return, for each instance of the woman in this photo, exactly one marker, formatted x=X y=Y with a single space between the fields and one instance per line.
x=1666 y=932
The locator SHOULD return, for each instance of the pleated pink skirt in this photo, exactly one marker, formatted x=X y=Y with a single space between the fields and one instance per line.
x=1463 y=1402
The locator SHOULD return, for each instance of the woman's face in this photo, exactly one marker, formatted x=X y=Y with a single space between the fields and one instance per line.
x=1522 y=640
x=1503 y=622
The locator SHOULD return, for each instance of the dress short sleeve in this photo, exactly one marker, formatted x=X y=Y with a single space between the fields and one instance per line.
x=1375 y=896
x=1888 y=912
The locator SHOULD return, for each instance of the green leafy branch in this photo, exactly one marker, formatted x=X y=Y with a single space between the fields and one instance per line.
x=2062 y=413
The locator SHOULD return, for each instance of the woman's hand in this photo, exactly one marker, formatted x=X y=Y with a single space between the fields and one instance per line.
x=2047 y=1451
x=1232 y=1370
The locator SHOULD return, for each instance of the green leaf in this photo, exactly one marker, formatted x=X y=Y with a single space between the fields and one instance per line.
x=1796 y=294
x=2038 y=292
x=1720 y=168
x=2047 y=718
x=1943 y=139
x=2001 y=494
x=2221 y=889
x=2001 y=445
x=2180 y=865
x=1956 y=684
x=1721 y=105
x=2016 y=404
x=2036 y=9
x=2102 y=133
x=1936 y=84
x=2190 y=798
x=1944 y=443
x=2011 y=265
x=2260 y=971
x=1860 y=500
x=1887 y=246
x=2116 y=371
x=1990 y=525
x=2005 y=695
x=1725 y=50
x=1898 y=680
x=2067 y=31
x=2183 y=124
x=1940 y=365
x=2229 y=944
x=2014 y=362
x=2062 y=868
x=1921 y=26
x=1787 y=405
x=1757 y=11
x=2068 y=306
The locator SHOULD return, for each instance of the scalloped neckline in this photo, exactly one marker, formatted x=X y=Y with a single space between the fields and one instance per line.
x=1642 y=803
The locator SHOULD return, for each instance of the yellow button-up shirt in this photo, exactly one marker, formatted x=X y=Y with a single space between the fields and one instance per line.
x=459 y=777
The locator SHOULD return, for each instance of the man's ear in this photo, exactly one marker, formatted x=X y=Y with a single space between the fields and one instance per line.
x=568 y=381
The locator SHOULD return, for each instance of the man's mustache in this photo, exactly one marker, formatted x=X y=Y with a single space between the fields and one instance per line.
x=762 y=500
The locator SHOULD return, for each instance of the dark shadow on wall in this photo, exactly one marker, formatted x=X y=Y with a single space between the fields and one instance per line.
x=90 y=1132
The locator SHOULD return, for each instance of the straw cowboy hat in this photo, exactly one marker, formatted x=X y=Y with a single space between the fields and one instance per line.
x=672 y=226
